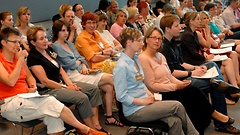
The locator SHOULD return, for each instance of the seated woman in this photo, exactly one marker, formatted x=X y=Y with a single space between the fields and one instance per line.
x=6 y=20
x=182 y=9
x=106 y=35
x=208 y=40
x=158 y=79
x=90 y=44
x=42 y=62
x=23 y=23
x=121 y=18
x=135 y=20
x=112 y=13
x=138 y=102
x=78 y=70
x=193 y=53
x=17 y=79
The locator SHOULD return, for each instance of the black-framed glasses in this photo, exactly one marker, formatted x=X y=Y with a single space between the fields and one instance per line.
x=13 y=41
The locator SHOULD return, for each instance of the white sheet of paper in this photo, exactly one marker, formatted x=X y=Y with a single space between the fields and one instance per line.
x=31 y=95
x=227 y=45
x=220 y=51
x=212 y=72
x=219 y=58
x=157 y=96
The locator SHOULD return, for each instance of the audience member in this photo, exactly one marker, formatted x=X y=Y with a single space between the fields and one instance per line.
x=17 y=79
x=106 y=35
x=137 y=101
x=49 y=73
x=135 y=20
x=78 y=12
x=103 y=5
x=158 y=7
x=166 y=10
x=22 y=24
x=229 y=17
x=6 y=19
x=121 y=19
x=183 y=70
x=90 y=44
x=130 y=3
x=78 y=70
x=182 y=9
x=158 y=79
x=143 y=8
x=112 y=13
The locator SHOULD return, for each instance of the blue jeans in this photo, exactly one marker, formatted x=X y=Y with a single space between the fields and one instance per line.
x=218 y=98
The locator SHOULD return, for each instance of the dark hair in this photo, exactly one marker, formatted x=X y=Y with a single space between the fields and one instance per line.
x=167 y=21
x=231 y=1
x=57 y=26
x=74 y=7
x=209 y=5
x=6 y=32
x=103 y=5
x=128 y=5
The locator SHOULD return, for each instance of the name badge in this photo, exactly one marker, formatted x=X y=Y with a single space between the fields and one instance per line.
x=139 y=77
x=101 y=44
x=54 y=55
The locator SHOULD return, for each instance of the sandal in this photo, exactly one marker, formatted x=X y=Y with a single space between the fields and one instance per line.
x=116 y=122
x=104 y=131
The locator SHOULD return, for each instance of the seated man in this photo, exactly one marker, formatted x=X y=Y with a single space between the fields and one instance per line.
x=15 y=78
x=182 y=70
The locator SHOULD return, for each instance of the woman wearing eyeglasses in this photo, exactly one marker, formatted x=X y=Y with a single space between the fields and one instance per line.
x=90 y=44
x=158 y=79
x=137 y=101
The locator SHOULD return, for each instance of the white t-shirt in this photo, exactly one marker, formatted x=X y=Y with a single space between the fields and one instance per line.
x=107 y=36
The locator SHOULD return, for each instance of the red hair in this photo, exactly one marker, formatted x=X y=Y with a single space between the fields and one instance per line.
x=142 y=5
x=88 y=16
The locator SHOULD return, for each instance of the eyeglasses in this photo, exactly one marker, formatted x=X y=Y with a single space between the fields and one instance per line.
x=139 y=40
x=15 y=41
x=155 y=38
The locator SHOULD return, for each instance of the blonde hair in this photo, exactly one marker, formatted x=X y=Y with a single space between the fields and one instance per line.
x=132 y=11
x=63 y=8
x=123 y=11
x=203 y=13
x=22 y=10
x=129 y=34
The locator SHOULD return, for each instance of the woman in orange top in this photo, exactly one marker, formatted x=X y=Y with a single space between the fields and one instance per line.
x=90 y=44
x=15 y=78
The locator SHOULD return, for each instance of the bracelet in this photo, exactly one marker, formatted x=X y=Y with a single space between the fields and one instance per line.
x=102 y=52
x=64 y=86
x=189 y=73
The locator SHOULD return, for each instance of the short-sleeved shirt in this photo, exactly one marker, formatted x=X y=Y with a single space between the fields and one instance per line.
x=89 y=44
x=20 y=86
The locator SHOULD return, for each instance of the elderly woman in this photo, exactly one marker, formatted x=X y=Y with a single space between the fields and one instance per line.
x=106 y=35
x=17 y=79
x=90 y=44
x=54 y=80
x=6 y=19
x=158 y=79
x=137 y=101
x=23 y=23
x=78 y=69
x=116 y=28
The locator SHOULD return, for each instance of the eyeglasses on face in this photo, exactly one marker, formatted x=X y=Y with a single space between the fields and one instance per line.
x=156 y=38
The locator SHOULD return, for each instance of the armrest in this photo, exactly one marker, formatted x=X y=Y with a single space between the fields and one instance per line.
x=1 y=102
